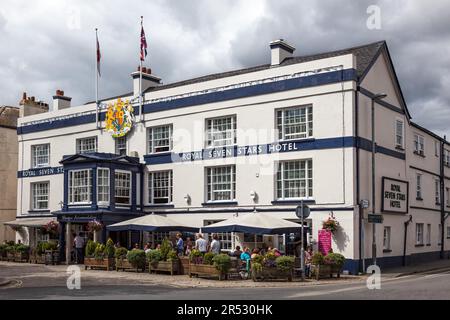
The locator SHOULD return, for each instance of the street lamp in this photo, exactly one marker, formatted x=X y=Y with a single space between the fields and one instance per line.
x=375 y=98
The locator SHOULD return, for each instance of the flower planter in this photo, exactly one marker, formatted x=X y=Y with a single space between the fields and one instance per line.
x=165 y=266
x=123 y=264
x=94 y=263
x=205 y=270
x=37 y=258
x=21 y=257
x=10 y=256
x=326 y=271
x=272 y=273
x=184 y=265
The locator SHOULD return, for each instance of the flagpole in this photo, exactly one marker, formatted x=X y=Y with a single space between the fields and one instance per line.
x=96 y=79
x=140 y=77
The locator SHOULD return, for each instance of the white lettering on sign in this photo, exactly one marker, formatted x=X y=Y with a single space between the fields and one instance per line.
x=395 y=195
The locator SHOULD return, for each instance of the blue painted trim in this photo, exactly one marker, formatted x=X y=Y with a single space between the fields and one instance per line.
x=246 y=209
x=238 y=93
x=133 y=227
x=293 y=202
x=220 y=204
x=247 y=229
x=159 y=206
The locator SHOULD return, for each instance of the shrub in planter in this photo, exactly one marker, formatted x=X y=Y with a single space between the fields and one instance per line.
x=109 y=249
x=196 y=256
x=3 y=250
x=258 y=259
x=222 y=262
x=120 y=253
x=257 y=267
x=99 y=252
x=154 y=256
x=208 y=259
x=335 y=259
x=90 y=248
x=172 y=256
x=317 y=259
x=285 y=263
x=166 y=247
x=137 y=258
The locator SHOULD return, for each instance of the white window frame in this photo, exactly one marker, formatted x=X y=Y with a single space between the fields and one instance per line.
x=419 y=144
x=37 y=158
x=428 y=242
x=35 y=197
x=280 y=180
x=81 y=148
x=400 y=135
x=213 y=187
x=116 y=187
x=387 y=238
x=437 y=191
x=437 y=146
x=100 y=185
x=281 y=125
x=71 y=189
x=446 y=157
x=151 y=187
x=419 y=186
x=419 y=234
x=118 y=147
x=216 y=138
x=152 y=143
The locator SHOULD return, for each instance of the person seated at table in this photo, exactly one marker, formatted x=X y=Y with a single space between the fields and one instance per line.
x=255 y=253
x=136 y=246
x=237 y=253
x=147 y=247
x=245 y=255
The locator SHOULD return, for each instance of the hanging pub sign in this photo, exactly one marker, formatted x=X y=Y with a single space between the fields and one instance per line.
x=395 y=195
x=119 y=118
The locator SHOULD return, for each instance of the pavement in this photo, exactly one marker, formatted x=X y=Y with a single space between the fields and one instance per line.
x=437 y=265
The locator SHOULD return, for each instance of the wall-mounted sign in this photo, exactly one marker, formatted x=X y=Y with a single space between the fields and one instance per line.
x=324 y=241
x=40 y=172
x=395 y=195
x=119 y=118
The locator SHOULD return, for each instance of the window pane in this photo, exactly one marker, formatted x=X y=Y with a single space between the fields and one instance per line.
x=294 y=179
x=87 y=145
x=40 y=155
x=80 y=186
x=221 y=131
x=103 y=185
x=160 y=139
x=39 y=193
x=121 y=145
x=160 y=187
x=122 y=187
x=221 y=183
x=295 y=123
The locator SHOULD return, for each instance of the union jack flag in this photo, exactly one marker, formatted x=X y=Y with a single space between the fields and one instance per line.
x=98 y=56
x=143 y=44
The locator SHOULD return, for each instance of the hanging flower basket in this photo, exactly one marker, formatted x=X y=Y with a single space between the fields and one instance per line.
x=94 y=226
x=331 y=224
x=50 y=228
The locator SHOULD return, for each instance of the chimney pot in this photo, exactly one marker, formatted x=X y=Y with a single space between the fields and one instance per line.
x=280 y=50
x=144 y=70
x=32 y=99
x=24 y=96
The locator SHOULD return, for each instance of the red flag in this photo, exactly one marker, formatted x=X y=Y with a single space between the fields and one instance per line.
x=98 y=56
x=143 y=44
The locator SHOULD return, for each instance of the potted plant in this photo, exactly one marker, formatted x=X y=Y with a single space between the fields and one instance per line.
x=21 y=253
x=50 y=228
x=136 y=258
x=222 y=262
x=203 y=265
x=336 y=260
x=331 y=224
x=157 y=261
x=120 y=255
x=3 y=251
x=272 y=267
x=10 y=250
x=326 y=266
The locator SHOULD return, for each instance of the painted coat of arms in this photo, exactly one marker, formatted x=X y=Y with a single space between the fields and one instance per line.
x=119 y=118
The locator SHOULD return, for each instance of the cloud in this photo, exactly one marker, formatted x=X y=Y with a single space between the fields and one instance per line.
x=193 y=38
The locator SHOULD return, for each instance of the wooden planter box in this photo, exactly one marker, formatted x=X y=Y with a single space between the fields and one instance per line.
x=10 y=256
x=165 y=266
x=326 y=271
x=184 y=265
x=123 y=264
x=205 y=270
x=21 y=257
x=37 y=258
x=272 y=273
x=105 y=263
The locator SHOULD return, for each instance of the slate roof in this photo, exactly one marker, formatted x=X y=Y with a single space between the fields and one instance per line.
x=365 y=54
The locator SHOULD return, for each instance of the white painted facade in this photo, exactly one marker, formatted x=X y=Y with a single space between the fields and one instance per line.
x=335 y=107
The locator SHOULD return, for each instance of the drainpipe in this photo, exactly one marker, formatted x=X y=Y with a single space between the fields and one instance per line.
x=358 y=196
x=441 y=181
x=406 y=234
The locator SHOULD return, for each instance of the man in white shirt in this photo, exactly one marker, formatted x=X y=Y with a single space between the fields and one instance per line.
x=215 y=244
x=201 y=244
x=79 y=246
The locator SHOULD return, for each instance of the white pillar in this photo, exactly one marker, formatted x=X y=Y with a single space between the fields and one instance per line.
x=68 y=242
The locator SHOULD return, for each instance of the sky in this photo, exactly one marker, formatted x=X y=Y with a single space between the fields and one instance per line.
x=49 y=45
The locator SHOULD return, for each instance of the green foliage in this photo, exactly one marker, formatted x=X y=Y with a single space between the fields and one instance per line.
x=208 y=258
x=3 y=249
x=258 y=259
x=222 y=262
x=137 y=258
x=270 y=256
x=335 y=259
x=165 y=249
x=317 y=259
x=285 y=263
x=21 y=248
x=99 y=252
x=194 y=255
x=172 y=256
x=154 y=256
x=257 y=267
x=90 y=248
x=109 y=249
x=120 y=253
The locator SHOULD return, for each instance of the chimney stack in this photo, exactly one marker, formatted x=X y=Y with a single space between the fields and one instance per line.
x=29 y=106
x=280 y=50
x=148 y=80
x=60 y=101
